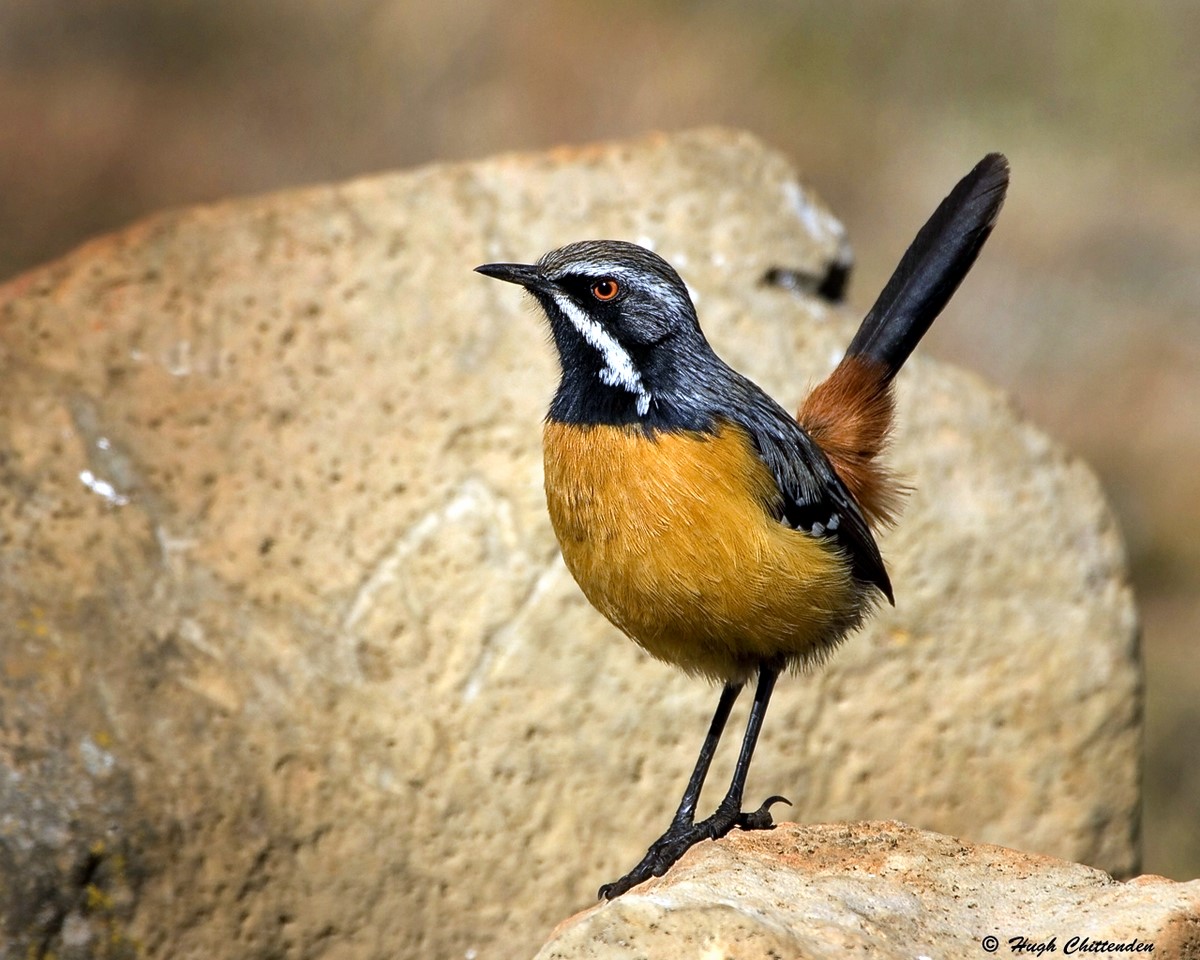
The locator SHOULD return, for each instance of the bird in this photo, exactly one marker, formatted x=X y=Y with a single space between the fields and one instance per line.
x=722 y=534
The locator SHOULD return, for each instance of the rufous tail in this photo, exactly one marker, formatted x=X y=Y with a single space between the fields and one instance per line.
x=850 y=413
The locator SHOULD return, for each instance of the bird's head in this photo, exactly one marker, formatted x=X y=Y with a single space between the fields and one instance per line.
x=623 y=323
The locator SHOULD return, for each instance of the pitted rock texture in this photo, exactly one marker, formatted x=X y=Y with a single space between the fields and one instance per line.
x=882 y=890
x=291 y=667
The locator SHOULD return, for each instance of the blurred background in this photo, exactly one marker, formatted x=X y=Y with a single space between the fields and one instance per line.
x=1086 y=305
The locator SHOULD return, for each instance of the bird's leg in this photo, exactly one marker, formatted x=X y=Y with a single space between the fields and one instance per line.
x=691 y=796
x=683 y=821
x=684 y=833
x=729 y=811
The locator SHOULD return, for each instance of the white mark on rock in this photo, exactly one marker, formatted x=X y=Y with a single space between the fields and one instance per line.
x=96 y=761
x=193 y=632
x=179 y=359
x=171 y=545
x=103 y=488
x=819 y=223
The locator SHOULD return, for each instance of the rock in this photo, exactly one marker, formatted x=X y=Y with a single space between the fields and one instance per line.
x=290 y=664
x=885 y=890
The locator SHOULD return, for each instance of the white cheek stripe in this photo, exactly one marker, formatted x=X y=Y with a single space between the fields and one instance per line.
x=618 y=365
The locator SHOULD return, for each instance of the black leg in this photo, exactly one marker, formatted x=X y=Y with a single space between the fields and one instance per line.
x=691 y=796
x=683 y=833
x=682 y=822
x=732 y=804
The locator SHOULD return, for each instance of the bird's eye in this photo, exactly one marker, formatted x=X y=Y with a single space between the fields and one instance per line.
x=605 y=289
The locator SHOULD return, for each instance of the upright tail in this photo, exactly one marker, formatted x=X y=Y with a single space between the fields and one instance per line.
x=849 y=414
x=933 y=266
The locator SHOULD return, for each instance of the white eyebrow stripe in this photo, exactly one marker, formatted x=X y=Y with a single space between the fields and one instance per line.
x=619 y=370
x=622 y=273
x=596 y=267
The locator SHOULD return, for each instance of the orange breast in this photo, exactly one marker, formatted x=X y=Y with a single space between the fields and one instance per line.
x=673 y=540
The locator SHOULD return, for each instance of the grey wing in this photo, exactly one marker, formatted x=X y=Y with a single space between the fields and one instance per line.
x=814 y=499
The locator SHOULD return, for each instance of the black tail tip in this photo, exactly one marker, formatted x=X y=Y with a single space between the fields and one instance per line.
x=990 y=176
x=994 y=161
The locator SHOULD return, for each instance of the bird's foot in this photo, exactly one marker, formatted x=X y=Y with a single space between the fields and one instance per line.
x=681 y=836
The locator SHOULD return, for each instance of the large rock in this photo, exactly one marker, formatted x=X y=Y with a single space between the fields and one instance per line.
x=291 y=666
x=882 y=890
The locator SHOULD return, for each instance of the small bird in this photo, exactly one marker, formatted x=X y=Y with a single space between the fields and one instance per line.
x=720 y=533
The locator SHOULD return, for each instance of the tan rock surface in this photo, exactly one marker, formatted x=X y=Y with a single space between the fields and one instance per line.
x=885 y=890
x=290 y=665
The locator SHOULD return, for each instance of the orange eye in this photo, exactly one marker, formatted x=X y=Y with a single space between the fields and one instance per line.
x=605 y=289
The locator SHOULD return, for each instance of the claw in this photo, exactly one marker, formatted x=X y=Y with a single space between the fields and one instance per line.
x=761 y=818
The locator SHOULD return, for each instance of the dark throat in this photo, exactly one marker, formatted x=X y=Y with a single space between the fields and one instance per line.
x=680 y=397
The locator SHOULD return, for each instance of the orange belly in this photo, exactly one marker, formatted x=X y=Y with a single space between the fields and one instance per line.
x=674 y=541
